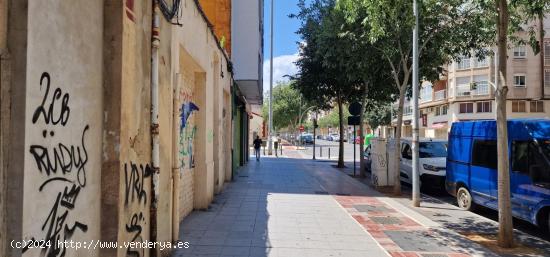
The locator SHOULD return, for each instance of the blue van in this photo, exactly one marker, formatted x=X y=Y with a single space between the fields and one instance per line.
x=472 y=167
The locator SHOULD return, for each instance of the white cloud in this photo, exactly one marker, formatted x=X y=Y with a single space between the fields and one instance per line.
x=282 y=65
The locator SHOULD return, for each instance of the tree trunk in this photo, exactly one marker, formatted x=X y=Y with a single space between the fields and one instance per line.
x=397 y=153
x=341 y=143
x=361 y=131
x=505 y=228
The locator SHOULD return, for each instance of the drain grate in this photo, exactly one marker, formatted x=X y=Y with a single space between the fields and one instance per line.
x=386 y=220
x=321 y=192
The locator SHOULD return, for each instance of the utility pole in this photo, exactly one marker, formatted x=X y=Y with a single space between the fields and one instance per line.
x=415 y=138
x=269 y=137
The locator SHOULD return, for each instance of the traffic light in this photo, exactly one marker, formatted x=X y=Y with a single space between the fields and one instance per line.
x=315 y=123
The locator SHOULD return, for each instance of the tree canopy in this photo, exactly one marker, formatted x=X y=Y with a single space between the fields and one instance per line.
x=287 y=107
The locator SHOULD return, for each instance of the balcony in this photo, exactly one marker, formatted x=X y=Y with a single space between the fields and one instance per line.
x=481 y=89
x=440 y=95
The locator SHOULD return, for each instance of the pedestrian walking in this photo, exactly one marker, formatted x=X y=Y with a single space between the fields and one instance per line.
x=257 y=144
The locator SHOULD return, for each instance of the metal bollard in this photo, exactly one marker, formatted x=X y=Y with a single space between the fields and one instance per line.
x=320 y=151
x=329 y=152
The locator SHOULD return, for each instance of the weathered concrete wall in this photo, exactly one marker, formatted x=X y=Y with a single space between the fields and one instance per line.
x=133 y=137
x=63 y=122
x=204 y=78
x=80 y=129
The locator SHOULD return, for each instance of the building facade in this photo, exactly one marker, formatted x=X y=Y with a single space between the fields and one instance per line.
x=113 y=127
x=467 y=92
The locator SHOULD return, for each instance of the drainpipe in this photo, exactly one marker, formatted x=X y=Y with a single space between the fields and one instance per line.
x=175 y=163
x=155 y=158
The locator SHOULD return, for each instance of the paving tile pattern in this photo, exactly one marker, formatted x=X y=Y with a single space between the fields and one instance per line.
x=398 y=234
x=272 y=209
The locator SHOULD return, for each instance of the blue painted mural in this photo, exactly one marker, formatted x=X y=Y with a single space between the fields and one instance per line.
x=187 y=134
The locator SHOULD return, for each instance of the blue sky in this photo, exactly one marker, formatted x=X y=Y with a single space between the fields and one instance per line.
x=285 y=48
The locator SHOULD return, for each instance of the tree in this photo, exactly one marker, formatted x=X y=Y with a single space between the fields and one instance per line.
x=518 y=13
x=323 y=72
x=447 y=29
x=378 y=114
x=287 y=107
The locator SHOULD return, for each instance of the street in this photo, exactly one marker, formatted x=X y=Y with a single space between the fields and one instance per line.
x=325 y=149
x=439 y=194
x=292 y=206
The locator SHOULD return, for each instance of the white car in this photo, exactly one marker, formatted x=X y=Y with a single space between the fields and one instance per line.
x=335 y=137
x=432 y=162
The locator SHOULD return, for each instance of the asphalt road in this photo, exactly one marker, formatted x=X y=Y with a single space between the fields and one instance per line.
x=322 y=148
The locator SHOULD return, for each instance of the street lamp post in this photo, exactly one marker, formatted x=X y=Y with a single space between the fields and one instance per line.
x=269 y=137
x=415 y=138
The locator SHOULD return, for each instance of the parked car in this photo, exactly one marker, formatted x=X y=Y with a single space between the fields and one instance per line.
x=472 y=167
x=334 y=137
x=432 y=162
x=306 y=138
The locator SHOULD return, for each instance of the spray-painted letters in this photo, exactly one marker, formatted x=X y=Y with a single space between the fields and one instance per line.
x=64 y=166
x=135 y=195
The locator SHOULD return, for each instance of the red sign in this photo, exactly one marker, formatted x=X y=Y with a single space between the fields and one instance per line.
x=301 y=128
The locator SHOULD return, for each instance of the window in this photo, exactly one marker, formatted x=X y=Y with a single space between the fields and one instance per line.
x=481 y=85
x=481 y=63
x=441 y=110
x=466 y=108
x=463 y=86
x=484 y=106
x=532 y=159
x=484 y=153
x=444 y=109
x=547 y=54
x=432 y=149
x=520 y=156
x=463 y=63
x=537 y=106
x=518 y=106
x=407 y=110
x=406 y=151
x=519 y=51
x=547 y=78
x=519 y=80
x=426 y=93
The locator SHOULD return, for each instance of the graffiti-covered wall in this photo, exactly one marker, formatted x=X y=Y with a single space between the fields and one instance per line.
x=63 y=126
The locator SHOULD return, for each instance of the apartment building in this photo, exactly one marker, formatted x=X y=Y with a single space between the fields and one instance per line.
x=467 y=91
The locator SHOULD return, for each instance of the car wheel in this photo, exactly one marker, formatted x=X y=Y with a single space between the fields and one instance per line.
x=464 y=199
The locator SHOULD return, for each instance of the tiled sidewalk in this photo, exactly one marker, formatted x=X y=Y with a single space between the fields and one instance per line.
x=295 y=207
x=397 y=233
x=275 y=208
